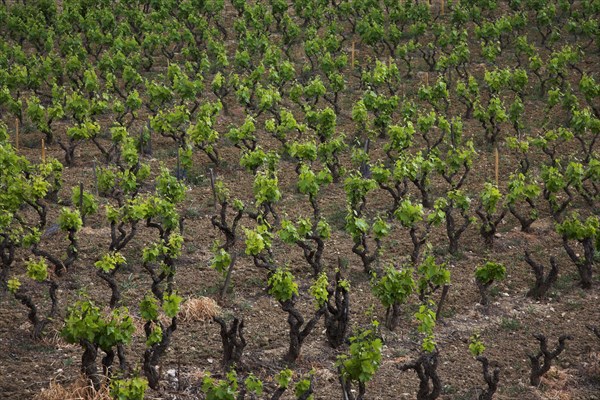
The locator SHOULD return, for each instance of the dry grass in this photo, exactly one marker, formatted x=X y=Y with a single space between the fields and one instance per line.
x=196 y=375
x=198 y=309
x=557 y=384
x=55 y=339
x=590 y=366
x=78 y=390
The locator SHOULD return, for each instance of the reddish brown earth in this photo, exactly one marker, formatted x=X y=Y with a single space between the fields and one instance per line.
x=506 y=328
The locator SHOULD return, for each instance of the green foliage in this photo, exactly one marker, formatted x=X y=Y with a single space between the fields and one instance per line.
x=253 y=160
x=149 y=308
x=37 y=269
x=426 y=317
x=306 y=151
x=574 y=228
x=409 y=213
x=253 y=385
x=86 y=321
x=244 y=133
x=155 y=336
x=288 y=232
x=357 y=188
x=521 y=187
x=221 y=260
x=257 y=239
x=490 y=198
x=282 y=285
x=401 y=137
x=13 y=285
x=69 y=220
x=432 y=274
x=169 y=187
x=110 y=261
x=225 y=389
x=291 y=233
x=283 y=378
x=355 y=225
x=266 y=188
x=128 y=389
x=171 y=304
x=490 y=272
x=309 y=182
x=476 y=346
x=394 y=287
x=381 y=228
x=319 y=290
x=302 y=386
x=84 y=130
x=365 y=356
x=157 y=251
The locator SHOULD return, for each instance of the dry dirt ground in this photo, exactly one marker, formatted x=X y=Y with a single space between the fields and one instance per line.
x=506 y=327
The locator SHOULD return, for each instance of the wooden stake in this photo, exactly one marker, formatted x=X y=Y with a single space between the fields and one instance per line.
x=426 y=78
x=352 y=55
x=496 y=155
x=17 y=136
x=95 y=177
x=179 y=175
x=442 y=4
x=43 y=150
x=212 y=186
x=81 y=198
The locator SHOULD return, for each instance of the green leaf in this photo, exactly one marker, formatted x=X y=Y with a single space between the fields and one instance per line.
x=149 y=308
x=37 y=269
x=283 y=378
x=476 y=346
x=171 y=304
x=13 y=285
x=394 y=287
x=319 y=290
x=282 y=286
x=490 y=272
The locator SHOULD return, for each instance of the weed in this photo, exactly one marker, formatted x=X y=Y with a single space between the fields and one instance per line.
x=517 y=391
x=494 y=292
x=256 y=281
x=165 y=152
x=208 y=291
x=190 y=248
x=448 y=312
x=344 y=263
x=195 y=178
x=449 y=389
x=565 y=281
x=128 y=283
x=193 y=213
x=246 y=306
x=396 y=353
x=573 y=305
x=510 y=324
x=337 y=218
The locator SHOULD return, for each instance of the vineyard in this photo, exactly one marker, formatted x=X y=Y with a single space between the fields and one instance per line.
x=306 y=199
